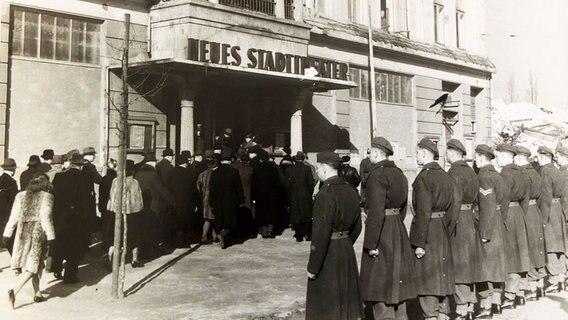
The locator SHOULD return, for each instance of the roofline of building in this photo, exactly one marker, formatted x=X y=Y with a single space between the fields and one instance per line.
x=351 y=35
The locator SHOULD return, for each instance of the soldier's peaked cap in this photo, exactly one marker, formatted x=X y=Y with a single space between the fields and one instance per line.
x=457 y=145
x=486 y=150
x=506 y=147
x=521 y=150
x=429 y=145
x=545 y=150
x=383 y=144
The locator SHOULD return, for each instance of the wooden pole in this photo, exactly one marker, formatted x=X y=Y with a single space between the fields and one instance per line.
x=372 y=82
x=123 y=131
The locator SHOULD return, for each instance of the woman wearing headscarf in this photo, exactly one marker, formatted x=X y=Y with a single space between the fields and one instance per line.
x=32 y=215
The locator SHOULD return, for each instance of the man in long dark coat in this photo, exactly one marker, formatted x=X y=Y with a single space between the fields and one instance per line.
x=514 y=206
x=94 y=177
x=435 y=202
x=226 y=196
x=266 y=194
x=465 y=242
x=165 y=167
x=300 y=187
x=348 y=173
x=562 y=159
x=247 y=224
x=157 y=203
x=333 y=286
x=104 y=196
x=30 y=172
x=182 y=189
x=493 y=272
x=553 y=186
x=535 y=230
x=8 y=191
x=364 y=170
x=386 y=263
x=71 y=210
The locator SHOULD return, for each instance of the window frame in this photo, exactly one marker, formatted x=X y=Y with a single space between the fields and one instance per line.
x=84 y=46
x=145 y=124
x=439 y=34
x=460 y=29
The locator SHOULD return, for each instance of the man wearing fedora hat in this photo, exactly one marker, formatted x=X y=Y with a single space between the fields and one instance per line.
x=71 y=213
x=515 y=204
x=8 y=191
x=300 y=187
x=56 y=166
x=553 y=188
x=165 y=166
x=30 y=172
x=47 y=157
x=182 y=189
x=493 y=272
x=435 y=202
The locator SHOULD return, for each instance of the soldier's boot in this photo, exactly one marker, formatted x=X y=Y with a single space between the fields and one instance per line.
x=496 y=309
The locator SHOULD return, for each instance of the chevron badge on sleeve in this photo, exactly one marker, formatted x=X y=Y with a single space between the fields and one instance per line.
x=484 y=192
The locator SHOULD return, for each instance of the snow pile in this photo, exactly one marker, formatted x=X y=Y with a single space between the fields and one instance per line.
x=528 y=124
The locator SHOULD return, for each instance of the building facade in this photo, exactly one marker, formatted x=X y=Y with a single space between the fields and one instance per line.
x=198 y=67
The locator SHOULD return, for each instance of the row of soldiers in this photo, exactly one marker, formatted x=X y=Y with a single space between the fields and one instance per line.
x=479 y=235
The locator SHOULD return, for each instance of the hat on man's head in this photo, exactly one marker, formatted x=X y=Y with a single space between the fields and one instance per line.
x=330 y=158
x=77 y=159
x=186 y=154
x=34 y=161
x=58 y=159
x=429 y=145
x=89 y=150
x=198 y=153
x=209 y=154
x=545 y=150
x=70 y=154
x=506 y=147
x=9 y=164
x=300 y=155
x=149 y=157
x=287 y=157
x=227 y=154
x=383 y=144
x=47 y=154
x=457 y=145
x=485 y=150
x=345 y=159
x=168 y=152
x=523 y=151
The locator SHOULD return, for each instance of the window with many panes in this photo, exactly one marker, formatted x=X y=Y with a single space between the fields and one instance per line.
x=390 y=87
x=45 y=35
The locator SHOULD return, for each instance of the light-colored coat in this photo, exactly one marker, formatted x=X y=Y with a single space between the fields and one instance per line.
x=132 y=200
x=34 y=224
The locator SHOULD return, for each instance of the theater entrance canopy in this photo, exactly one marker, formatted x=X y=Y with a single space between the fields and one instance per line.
x=262 y=95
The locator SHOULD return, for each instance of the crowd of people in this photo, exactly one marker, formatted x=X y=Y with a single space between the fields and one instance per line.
x=479 y=236
x=496 y=238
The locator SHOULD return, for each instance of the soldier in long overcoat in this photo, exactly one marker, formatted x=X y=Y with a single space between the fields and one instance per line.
x=333 y=284
x=386 y=264
x=534 y=222
x=71 y=214
x=267 y=193
x=553 y=186
x=300 y=187
x=493 y=272
x=562 y=159
x=8 y=191
x=466 y=249
x=435 y=202
x=514 y=206
x=225 y=197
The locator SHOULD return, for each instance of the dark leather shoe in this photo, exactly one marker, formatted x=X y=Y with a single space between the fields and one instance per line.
x=496 y=309
x=12 y=298
x=485 y=314
x=519 y=301
x=137 y=264
x=39 y=299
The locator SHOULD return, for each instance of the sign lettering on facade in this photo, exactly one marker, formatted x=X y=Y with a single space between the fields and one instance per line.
x=226 y=54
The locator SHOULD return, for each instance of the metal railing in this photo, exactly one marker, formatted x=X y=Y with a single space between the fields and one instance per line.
x=263 y=6
x=289 y=9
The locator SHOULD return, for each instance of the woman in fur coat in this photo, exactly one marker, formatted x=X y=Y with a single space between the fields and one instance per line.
x=32 y=215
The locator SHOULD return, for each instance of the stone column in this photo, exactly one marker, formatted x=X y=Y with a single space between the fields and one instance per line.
x=296 y=120
x=186 y=126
